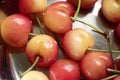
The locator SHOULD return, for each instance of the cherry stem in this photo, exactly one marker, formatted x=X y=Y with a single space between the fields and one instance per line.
x=106 y=35
x=110 y=77
x=77 y=11
x=93 y=27
x=39 y=24
x=113 y=71
x=75 y=19
x=97 y=30
x=32 y=34
x=114 y=51
x=32 y=66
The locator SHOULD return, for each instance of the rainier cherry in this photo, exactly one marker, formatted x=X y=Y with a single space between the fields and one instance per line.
x=33 y=6
x=44 y=47
x=34 y=75
x=94 y=65
x=67 y=7
x=64 y=69
x=57 y=17
x=76 y=42
x=85 y=4
x=112 y=10
x=15 y=30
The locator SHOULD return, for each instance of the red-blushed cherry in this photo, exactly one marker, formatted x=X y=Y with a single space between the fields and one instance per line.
x=15 y=30
x=85 y=4
x=43 y=46
x=34 y=75
x=94 y=65
x=32 y=9
x=33 y=6
x=57 y=18
x=88 y=36
x=112 y=10
x=64 y=6
x=76 y=42
x=106 y=57
x=64 y=69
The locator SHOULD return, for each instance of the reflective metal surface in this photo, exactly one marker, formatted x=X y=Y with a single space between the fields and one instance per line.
x=14 y=63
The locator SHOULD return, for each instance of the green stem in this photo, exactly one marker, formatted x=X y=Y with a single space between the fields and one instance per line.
x=113 y=71
x=114 y=51
x=77 y=11
x=110 y=77
x=93 y=27
x=32 y=34
x=39 y=24
x=109 y=46
x=107 y=37
x=108 y=42
x=97 y=30
x=31 y=67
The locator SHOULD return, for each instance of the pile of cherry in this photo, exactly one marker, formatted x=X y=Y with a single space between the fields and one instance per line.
x=80 y=60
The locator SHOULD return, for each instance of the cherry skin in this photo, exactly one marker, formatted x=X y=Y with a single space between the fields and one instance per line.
x=64 y=69
x=76 y=42
x=57 y=19
x=34 y=75
x=93 y=66
x=43 y=46
x=88 y=36
x=107 y=58
x=85 y=4
x=15 y=30
x=33 y=6
x=64 y=6
x=112 y=10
